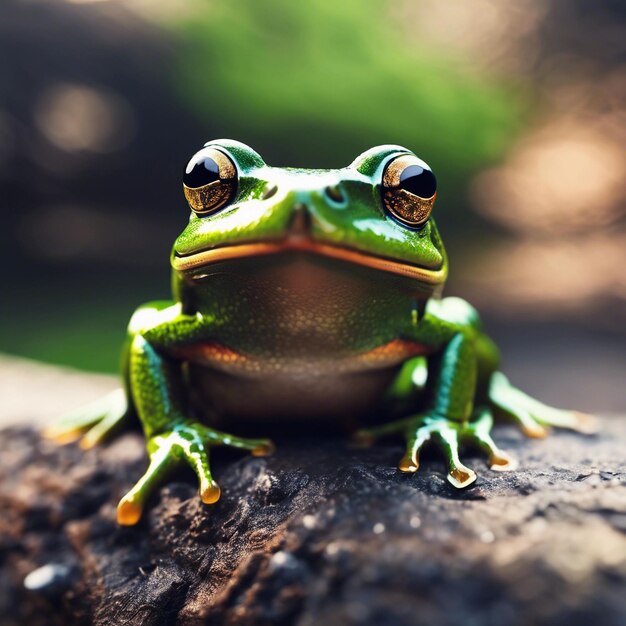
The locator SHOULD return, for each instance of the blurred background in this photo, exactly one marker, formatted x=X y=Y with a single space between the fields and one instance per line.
x=518 y=105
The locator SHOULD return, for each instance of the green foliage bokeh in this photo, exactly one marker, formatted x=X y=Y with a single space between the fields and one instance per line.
x=313 y=84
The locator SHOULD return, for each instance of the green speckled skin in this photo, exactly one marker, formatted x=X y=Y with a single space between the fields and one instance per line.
x=303 y=336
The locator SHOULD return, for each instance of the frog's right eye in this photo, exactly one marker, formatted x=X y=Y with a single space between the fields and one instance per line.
x=210 y=181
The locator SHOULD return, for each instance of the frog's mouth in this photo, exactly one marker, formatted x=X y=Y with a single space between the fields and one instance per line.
x=298 y=239
x=203 y=258
x=197 y=260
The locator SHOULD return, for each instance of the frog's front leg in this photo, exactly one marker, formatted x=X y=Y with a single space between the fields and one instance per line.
x=160 y=397
x=463 y=364
x=460 y=354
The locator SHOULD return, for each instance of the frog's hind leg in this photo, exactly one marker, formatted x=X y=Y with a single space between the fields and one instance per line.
x=91 y=423
x=533 y=416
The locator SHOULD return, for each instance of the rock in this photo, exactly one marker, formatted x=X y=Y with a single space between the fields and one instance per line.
x=320 y=533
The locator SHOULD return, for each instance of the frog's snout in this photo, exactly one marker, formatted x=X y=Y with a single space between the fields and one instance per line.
x=307 y=201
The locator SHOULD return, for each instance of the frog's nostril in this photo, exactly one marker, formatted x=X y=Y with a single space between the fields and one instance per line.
x=335 y=193
x=300 y=223
x=269 y=190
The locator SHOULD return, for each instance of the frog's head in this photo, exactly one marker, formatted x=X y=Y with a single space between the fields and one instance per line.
x=375 y=213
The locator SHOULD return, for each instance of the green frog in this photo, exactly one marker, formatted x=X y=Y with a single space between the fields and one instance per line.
x=309 y=298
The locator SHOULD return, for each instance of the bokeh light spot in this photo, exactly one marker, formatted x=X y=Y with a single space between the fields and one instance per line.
x=78 y=118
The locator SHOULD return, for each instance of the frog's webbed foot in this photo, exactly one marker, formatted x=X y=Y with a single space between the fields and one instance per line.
x=448 y=435
x=189 y=442
x=534 y=417
x=91 y=423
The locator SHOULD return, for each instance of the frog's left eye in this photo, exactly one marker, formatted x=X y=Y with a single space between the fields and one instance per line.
x=409 y=189
x=210 y=181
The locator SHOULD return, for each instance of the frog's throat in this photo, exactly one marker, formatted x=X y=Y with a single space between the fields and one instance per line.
x=206 y=257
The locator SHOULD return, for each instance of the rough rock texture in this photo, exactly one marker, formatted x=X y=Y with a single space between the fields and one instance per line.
x=320 y=533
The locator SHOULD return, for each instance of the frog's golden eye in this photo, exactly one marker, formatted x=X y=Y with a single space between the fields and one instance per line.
x=409 y=189
x=210 y=181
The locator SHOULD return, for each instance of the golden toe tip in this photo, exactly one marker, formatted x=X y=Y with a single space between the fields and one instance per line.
x=461 y=478
x=211 y=494
x=502 y=462
x=265 y=449
x=535 y=432
x=408 y=465
x=586 y=424
x=87 y=444
x=59 y=436
x=128 y=512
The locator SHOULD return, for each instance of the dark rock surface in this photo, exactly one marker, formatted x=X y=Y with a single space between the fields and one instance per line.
x=320 y=533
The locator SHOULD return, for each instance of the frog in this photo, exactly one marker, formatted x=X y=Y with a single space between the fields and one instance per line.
x=308 y=299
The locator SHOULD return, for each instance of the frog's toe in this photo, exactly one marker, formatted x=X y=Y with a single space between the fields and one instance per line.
x=60 y=434
x=196 y=441
x=97 y=419
x=128 y=512
x=196 y=453
x=410 y=461
x=479 y=433
x=263 y=447
x=211 y=493
x=572 y=420
x=585 y=423
x=461 y=476
x=527 y=423
x=502 y=462
x=256 y=447
x=103 y=429
x=72 y=426
x=530 y=427
x=503 y=398
x=447 y=437
x=534 y=417
x=130 y=507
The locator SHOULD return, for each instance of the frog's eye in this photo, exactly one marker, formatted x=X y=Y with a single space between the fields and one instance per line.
x=409 y=189
x=210 y=181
